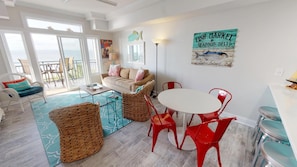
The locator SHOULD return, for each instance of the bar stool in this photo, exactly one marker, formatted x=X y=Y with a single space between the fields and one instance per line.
x=277 y=154
x=270 y=130
x=266 y=112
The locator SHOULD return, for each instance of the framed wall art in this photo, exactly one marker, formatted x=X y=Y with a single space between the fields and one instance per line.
x=136 y=52
x=106 y=45
x=214 y=47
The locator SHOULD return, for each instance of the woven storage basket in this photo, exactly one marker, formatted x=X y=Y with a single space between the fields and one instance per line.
x=80 y=130
x=134 y=106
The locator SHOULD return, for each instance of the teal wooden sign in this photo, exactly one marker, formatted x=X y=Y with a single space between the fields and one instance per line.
x=215 y=39
x=214 y=47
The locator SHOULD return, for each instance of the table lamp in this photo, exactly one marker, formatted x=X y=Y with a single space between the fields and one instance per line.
x=113 y=57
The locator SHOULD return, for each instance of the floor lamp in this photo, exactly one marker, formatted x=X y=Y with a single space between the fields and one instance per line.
x=156 y=42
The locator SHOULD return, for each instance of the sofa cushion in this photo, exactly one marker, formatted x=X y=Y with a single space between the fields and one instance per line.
x=30 y=91
x=119 y=82
x=132 y=73
x=124 y=73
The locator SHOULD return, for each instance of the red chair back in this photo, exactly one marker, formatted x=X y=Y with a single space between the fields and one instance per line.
x=205 y=138
x=171 y=85
x=223 y=95
x=221 y=128
x=150 y=106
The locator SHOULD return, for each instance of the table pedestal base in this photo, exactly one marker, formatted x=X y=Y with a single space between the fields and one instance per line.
x=188 y=144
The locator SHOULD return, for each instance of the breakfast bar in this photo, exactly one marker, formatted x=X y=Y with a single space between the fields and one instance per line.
x=286 y=101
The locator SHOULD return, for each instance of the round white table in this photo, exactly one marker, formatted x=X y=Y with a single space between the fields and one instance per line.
x=187 y=101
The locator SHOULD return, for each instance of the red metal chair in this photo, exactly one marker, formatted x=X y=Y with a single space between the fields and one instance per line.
x=224 y=96
x=159 y=122
x=171 y=85
x=205 y=138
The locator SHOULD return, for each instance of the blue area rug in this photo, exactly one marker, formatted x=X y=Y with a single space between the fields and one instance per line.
x=111 y=120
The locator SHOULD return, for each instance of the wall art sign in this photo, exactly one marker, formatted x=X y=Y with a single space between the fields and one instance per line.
x=214 y=47
x=135 y=36
x=106 y=45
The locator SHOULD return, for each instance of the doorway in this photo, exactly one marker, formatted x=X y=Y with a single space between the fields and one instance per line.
x=61 y=61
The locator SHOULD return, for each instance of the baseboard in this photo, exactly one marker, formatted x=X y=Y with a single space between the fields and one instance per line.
x=241 y=120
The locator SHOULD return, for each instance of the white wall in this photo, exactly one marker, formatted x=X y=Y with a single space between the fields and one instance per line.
x=266 y=40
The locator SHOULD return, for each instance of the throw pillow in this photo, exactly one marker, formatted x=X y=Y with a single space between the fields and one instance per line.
x=13 y=81
x=125 y=73
x=139 y=75
x=20 y=85
x=114 y=70
x=139 y=89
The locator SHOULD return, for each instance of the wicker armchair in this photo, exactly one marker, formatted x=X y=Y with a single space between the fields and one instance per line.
x=80 y=129
x=134 y=105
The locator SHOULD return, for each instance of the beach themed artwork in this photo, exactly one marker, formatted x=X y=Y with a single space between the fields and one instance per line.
x=106 y=45
x=135 y=36
x=214 y=48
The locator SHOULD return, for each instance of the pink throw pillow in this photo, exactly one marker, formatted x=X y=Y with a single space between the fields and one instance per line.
x=114 y=70
x=139 y=75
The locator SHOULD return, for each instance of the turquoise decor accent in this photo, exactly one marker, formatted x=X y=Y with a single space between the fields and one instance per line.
x=20 y=85
x=221 y=39
x=139 y=89
x=135 y=36
x=111 y=120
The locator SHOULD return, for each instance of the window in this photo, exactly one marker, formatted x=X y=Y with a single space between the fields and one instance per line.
x=43 y=24
x=16 y=48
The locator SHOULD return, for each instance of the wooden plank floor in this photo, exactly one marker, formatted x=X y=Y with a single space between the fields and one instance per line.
x=20 y=145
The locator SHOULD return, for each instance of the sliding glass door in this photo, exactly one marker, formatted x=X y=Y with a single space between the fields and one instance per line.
x=72 y=59
x=61 y=61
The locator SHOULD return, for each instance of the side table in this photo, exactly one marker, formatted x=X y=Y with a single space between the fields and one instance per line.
x=113 y=102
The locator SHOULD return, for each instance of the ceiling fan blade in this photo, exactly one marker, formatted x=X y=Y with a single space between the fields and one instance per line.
x=108 y=2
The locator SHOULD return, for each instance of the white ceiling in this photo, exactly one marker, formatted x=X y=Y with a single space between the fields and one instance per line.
x=85 y=7
x=133 y=12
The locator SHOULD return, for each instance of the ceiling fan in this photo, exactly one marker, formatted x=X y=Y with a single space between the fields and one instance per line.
x=109 y=2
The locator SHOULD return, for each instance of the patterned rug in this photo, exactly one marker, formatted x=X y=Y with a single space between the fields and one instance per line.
x=111 y=121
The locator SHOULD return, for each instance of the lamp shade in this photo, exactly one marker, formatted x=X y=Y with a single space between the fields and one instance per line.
x=113 y=56
x=157 y=41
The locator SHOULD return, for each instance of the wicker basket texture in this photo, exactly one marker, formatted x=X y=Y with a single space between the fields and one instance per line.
x=80 y=130
x=134 y=106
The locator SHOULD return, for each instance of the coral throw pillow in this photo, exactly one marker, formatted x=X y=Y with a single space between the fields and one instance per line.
x=14 y=81
x=139 y=75
x=114 y=70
